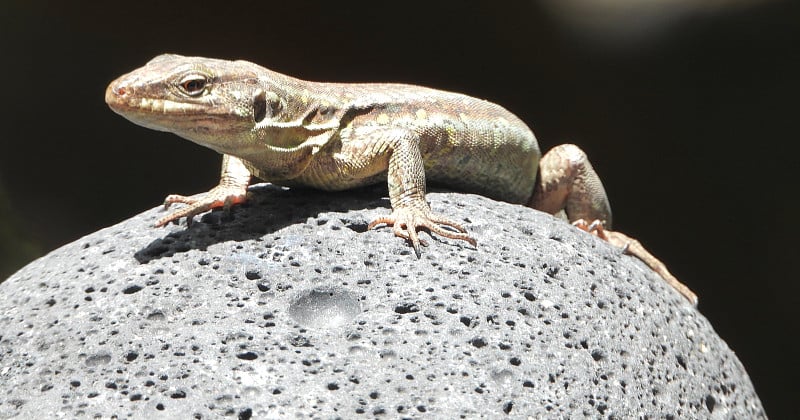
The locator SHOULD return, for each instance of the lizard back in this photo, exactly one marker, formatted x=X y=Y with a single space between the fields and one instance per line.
x=466 y=143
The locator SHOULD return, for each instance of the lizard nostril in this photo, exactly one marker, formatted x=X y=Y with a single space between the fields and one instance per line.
x=116 y=93
x=120 y=88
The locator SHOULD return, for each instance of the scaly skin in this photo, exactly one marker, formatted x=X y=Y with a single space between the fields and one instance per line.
x=336 y=136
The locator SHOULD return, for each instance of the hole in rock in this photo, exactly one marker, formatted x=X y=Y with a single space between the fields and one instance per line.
x=324 y=307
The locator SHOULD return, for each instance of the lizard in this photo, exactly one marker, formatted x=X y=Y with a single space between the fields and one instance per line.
x=338 y=136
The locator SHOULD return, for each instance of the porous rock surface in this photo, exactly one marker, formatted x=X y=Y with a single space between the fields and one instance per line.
x=287 y=307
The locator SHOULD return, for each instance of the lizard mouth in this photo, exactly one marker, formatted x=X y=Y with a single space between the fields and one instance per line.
x=154 y=113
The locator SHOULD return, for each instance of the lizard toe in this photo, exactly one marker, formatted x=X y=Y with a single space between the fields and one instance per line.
x=188 y=212
x=436 y=224
x=176 y=198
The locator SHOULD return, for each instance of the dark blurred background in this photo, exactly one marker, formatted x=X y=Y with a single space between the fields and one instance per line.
x=687 y=108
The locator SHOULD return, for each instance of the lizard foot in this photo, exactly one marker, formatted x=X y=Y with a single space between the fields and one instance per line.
x=406 y=221
x=633 y=247
x=223 y=196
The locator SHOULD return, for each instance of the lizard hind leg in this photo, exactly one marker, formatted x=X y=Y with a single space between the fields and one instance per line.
x=567 y=184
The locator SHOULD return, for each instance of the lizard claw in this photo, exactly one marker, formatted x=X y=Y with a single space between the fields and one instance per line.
x=406 y=222
x=223 y=196
x=596 y=227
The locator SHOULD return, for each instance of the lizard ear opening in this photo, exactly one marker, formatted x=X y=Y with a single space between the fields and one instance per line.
x=266 y=104
x=259 y=106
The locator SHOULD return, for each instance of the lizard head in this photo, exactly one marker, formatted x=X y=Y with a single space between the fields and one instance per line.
x=215 y=103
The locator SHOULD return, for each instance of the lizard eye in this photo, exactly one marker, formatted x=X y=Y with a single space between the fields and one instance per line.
x=193 y=85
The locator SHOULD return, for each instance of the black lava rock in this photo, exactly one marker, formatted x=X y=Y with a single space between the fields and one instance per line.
x=287 y=306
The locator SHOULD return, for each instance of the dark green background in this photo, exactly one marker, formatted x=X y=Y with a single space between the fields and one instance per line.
x=695 y=133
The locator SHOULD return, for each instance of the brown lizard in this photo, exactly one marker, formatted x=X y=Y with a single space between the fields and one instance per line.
x=337 y=136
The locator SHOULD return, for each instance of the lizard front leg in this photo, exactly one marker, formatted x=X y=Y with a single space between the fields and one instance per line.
x=568 y=186
x=232 y=189
x=410 y=210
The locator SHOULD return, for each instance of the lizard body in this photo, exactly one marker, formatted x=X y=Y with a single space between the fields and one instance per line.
x=337 y=136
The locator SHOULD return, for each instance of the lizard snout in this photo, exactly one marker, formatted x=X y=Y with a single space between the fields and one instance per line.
x=117 y=93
